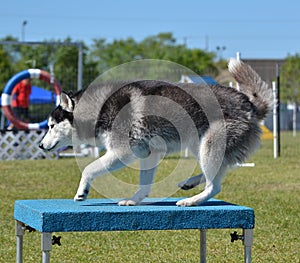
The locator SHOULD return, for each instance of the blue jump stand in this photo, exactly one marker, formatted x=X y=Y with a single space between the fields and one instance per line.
x=65 y=215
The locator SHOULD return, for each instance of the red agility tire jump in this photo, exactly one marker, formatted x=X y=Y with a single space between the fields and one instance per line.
x=6 y=97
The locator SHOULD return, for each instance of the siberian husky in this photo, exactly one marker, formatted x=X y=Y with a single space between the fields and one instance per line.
x=146 y=119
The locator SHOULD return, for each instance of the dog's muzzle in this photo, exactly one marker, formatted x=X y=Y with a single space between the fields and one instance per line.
x=41 y=145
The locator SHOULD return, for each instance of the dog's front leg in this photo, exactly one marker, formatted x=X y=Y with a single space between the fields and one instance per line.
x=148 y=167
x=107 y=163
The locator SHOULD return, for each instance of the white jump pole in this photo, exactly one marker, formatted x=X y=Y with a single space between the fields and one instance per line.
x=275 y=136
x=295 y=119
x=186 y=153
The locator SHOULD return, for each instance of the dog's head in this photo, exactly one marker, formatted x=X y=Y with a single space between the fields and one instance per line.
x=60 y=125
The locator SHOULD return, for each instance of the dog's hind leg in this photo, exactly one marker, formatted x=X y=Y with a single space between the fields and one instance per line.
x=212 y=188
x=192 y=182
x=148 y=167
x=109 y=162
x=213 y=166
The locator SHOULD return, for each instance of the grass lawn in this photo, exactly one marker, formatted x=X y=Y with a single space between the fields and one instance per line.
x=272 y=188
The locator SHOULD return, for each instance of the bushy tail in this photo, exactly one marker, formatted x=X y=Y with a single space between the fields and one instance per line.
x=253 y=86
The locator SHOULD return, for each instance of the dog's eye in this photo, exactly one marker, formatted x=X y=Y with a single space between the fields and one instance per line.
x=51 y=126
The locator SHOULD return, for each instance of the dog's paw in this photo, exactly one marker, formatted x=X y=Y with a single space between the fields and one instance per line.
x=191 y=182
x=127 y=202
x=80 y=196
x=186 y=202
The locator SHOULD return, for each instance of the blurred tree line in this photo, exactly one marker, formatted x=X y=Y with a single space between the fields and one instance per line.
x=99 y=57
x=290 y=75
x=162 y=46
x=15 y=58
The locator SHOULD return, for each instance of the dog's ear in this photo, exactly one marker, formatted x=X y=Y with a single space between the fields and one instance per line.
x=66 y=102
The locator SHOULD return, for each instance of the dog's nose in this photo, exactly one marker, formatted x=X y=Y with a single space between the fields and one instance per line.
x=41 y=146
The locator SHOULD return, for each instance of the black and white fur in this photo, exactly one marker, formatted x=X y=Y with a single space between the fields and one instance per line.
x=122 y=118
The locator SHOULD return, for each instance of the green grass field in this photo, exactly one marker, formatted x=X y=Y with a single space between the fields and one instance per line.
x=272 y=188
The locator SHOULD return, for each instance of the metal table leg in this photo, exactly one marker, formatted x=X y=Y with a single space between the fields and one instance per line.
x=203 y=245
x=46 y=243
x=19 y=241
x=248 y=241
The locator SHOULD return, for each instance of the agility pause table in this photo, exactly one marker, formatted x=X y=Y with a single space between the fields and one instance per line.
x=65 y=215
